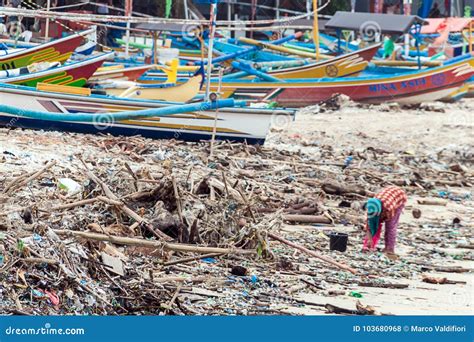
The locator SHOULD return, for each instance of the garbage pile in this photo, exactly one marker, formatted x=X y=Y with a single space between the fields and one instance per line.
x=130 y=226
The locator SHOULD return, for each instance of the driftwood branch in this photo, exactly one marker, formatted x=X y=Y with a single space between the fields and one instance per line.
x=177 y=247
x=185 y=260
x=114 y=200
x=312 y=253
x=19 y=182
x=322 y=219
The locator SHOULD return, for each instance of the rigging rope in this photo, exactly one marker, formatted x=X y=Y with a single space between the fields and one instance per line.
x=221 y=24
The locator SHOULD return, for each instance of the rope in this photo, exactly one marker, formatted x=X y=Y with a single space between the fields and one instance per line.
x=108 y=18
x=31 y=4
x=103 y=5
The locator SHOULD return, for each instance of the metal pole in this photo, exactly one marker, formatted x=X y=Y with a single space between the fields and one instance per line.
x=229 y=16
x=186 y=14
x=316 y=29
x=253 y=14
x=128 y=13
x=46 y=28
x=214 y=129
x=212 y=31
x=407 y=45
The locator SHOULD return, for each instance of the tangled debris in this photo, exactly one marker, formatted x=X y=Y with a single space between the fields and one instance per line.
x=110 y=225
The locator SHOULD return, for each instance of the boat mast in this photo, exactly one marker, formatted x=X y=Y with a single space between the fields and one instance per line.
x=212 y=31
x=316 y=28
x=46 y=28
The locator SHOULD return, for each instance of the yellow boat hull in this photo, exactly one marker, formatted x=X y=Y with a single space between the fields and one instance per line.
x=178 y=93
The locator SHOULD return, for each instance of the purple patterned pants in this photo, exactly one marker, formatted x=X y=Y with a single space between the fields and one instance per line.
x=391 y=230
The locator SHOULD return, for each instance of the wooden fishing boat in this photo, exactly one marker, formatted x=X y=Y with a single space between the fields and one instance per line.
x=55 y=51
x=71 y=74
x=458 y=94
x=120 y=72
x=344 y=65
x=184 y=53
x=407 y=88
x=286 y=67
x=470 y=91
x=162 y=92
x=236 y=124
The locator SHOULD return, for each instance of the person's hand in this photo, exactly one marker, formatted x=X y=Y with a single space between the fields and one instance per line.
x=369 y=240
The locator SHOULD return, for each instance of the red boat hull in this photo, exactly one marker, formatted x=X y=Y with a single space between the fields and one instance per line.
x=55 y=51
x=403 y=89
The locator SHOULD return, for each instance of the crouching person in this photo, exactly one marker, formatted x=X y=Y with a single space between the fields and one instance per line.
x=386 y=207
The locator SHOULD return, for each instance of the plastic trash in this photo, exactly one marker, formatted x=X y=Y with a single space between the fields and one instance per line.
x=71 y=186
x=348 y=161
x=167 y=54
x=38 y=294
x=209 y=260
x=160 y=155
x=90 y=300
x=355 y=294
x=53 y=297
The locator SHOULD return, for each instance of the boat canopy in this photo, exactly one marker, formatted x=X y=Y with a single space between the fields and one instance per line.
x=305 y=23
x=163 y=27
x=387 y=23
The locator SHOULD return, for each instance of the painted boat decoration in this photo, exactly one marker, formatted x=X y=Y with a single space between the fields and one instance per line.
x=344 y=65
x=236 y=124
x=162 y=92
x=55 y=51
x=120 y=72
x=71 y=74
x=408 y=88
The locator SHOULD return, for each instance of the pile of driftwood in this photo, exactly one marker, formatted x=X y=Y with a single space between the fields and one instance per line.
x=133 y=226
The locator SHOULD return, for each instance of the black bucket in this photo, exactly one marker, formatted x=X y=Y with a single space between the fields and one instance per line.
x=338 y=242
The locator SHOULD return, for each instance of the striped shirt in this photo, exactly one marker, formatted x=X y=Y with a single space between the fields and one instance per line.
x=392 y=198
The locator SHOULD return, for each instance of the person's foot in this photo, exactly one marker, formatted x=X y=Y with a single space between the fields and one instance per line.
x=391 y=255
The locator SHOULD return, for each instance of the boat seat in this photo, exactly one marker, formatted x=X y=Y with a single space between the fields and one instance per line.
x=57 y=88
